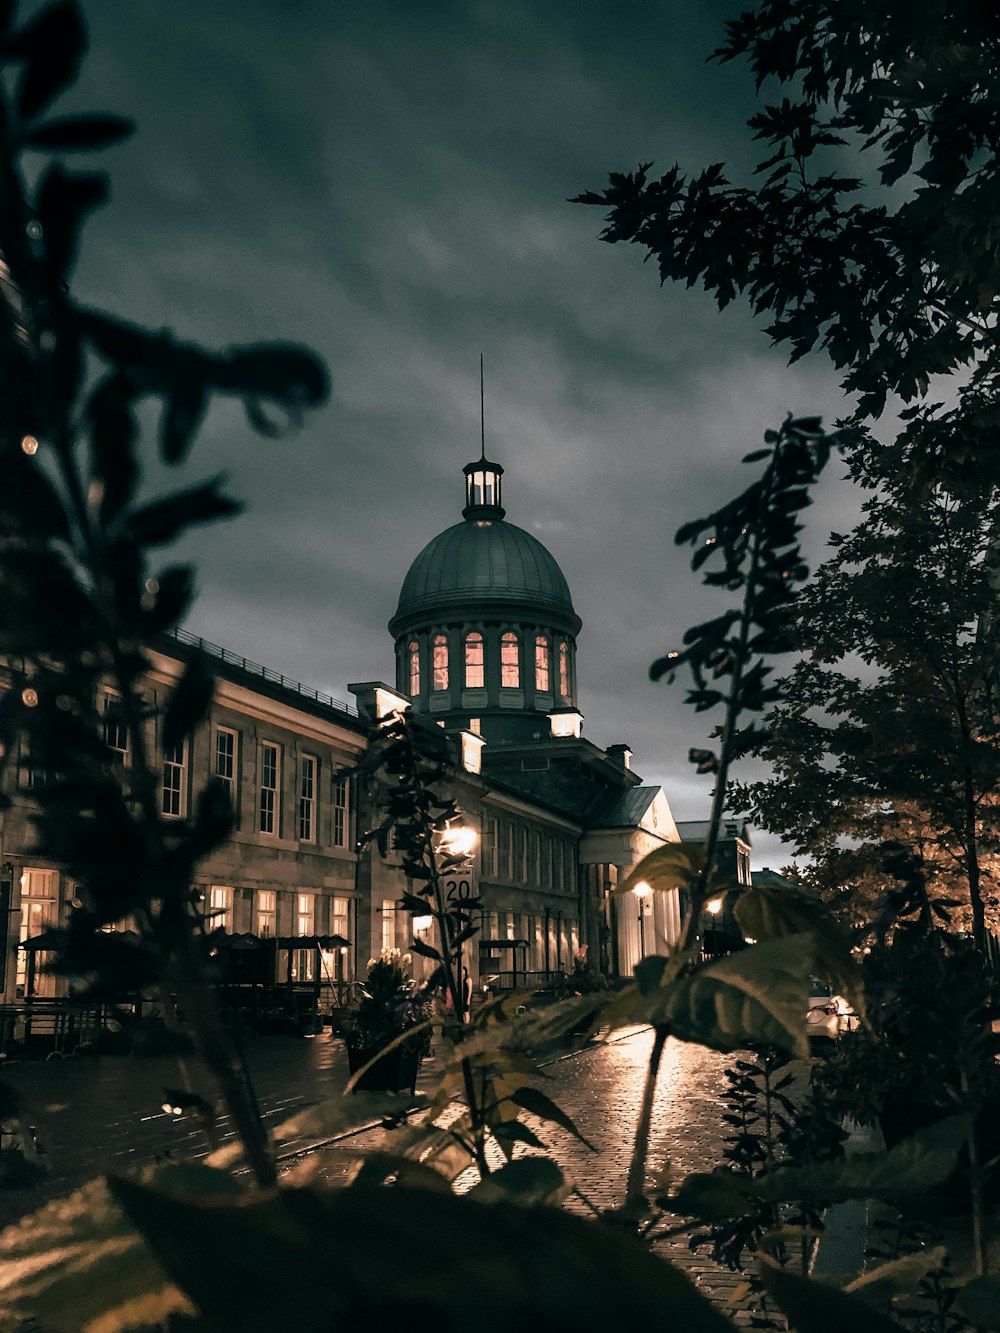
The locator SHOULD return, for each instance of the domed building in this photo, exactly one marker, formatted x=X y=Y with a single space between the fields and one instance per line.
x=485 y=628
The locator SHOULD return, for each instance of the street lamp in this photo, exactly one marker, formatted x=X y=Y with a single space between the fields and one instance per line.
x=458 y=841
x=642 y=891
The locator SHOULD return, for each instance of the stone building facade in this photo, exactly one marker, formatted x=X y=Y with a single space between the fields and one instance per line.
x=486 y=647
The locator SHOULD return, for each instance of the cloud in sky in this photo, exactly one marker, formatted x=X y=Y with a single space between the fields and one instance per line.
x=388 y=183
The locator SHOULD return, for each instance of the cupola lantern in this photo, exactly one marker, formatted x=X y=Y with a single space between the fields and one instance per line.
x=482 y=490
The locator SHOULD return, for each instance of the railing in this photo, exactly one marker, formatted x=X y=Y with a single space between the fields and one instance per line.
x=508 y=981
x=265 y=673
x=50 y=1027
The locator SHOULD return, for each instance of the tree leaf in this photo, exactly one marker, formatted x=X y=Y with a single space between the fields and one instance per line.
x=675 y=865
x=76 y=133
x=164 y=519
x=979 y=1300
x=189 y=703
x=817 y=1307
x=758 y=995
x=899 y=1276
x=536 y=1103
x=325 y=1256
x=530 y=1180
x=766 y=912
x=52 y=46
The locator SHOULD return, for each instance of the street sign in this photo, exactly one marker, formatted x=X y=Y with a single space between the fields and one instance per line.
x=460 y=885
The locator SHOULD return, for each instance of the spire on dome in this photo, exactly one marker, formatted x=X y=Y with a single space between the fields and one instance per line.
x=482 y=478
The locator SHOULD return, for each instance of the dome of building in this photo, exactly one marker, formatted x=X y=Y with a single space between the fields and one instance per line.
x=485 y=563
x=485 y=628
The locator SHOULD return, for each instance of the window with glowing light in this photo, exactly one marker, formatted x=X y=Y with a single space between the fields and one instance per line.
x=564 y=669
x=220 y=908
x=510 y=666
x=304 y=960
x=440 y=662
x=266 y=924
x=475 y=669
x=39 y=894
x=542 y=664
x=115 y=730
x=414 y=660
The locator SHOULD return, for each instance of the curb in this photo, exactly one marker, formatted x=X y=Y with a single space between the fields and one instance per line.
x=841 y=1250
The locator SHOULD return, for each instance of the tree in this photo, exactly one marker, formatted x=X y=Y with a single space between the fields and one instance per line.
x=896 y=274
x=887 y=730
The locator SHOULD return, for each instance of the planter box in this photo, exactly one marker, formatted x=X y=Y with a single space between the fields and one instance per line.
x=395 y=1072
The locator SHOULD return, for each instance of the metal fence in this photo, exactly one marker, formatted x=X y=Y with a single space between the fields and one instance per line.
x=265 y=673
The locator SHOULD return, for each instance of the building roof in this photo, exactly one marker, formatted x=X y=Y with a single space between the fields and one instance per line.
x=485 y=563
x=623 y=809
x=696 y=830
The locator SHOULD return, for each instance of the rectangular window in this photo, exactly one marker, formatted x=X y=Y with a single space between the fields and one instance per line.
x=439 y=662
x=523 y=854
x=270 y=785
x=340 y=917
x=341 y=812
x=174 y=781
x=475 y=670
x=220 y=908
x=304 y=960
x=267 y=914
x=506 y=849
x=225 y=759
x=510 y=670
x=542 y=664
x=494 y=847
x=388 y=925
x=39 y=894
x=307 y=798
x=115 y=731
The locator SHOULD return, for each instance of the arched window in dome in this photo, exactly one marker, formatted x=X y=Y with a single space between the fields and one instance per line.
x=475 y=670
x=510 y=664
x=564 y=669
x=439 y=662
x=413 y=656
x=542 y=669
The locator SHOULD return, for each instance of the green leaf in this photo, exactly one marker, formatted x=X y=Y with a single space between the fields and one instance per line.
x=537 y=1103
x=758 y=995
x=979 y=1300
x=712 y=1197
x=76 y=133
x=327 y=1260
x=78 y=1262
x=916 y=1164
x=189 y=702
x=675 y=865
x=52 y=46
x=899 y=1276
x=528 y=1180
x=766 y=912
x=334 y=1116
x=164 y=519
x=817 y=1307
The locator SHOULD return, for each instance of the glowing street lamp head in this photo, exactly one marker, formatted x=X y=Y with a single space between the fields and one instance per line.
x=642 y=889
x=422 y=923
x=714 y=906
x=459 y=841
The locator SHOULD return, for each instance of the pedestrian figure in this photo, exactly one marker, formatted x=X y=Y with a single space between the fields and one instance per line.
x=466 y=993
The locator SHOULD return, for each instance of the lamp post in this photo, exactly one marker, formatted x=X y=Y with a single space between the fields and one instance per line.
x=642 y=891
x=712 y=909
x=458 y=843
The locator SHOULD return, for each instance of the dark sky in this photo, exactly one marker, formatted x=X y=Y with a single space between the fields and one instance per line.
x=387 y=182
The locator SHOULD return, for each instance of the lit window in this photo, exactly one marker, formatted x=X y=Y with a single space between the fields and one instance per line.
x=304 y=960
x=307 y=798
x=414 y=656
x=510 y=670
x=340 y=812
x=115 y=731
x=174 y=771
x=270 y=779
x=225 y=760
x=475 y=724
x=475 y=671
x=267 y=913
x=564 y=670
x=220 y=908
x=440 y=662
x=39 y=893
x=542 y=664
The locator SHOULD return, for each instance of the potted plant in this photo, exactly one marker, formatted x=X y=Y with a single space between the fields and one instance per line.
x=389 y=1005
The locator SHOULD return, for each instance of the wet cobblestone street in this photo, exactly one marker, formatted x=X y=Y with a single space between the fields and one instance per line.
x=106 y=1115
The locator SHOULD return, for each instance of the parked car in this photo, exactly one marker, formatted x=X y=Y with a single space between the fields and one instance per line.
x=829 y=1015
